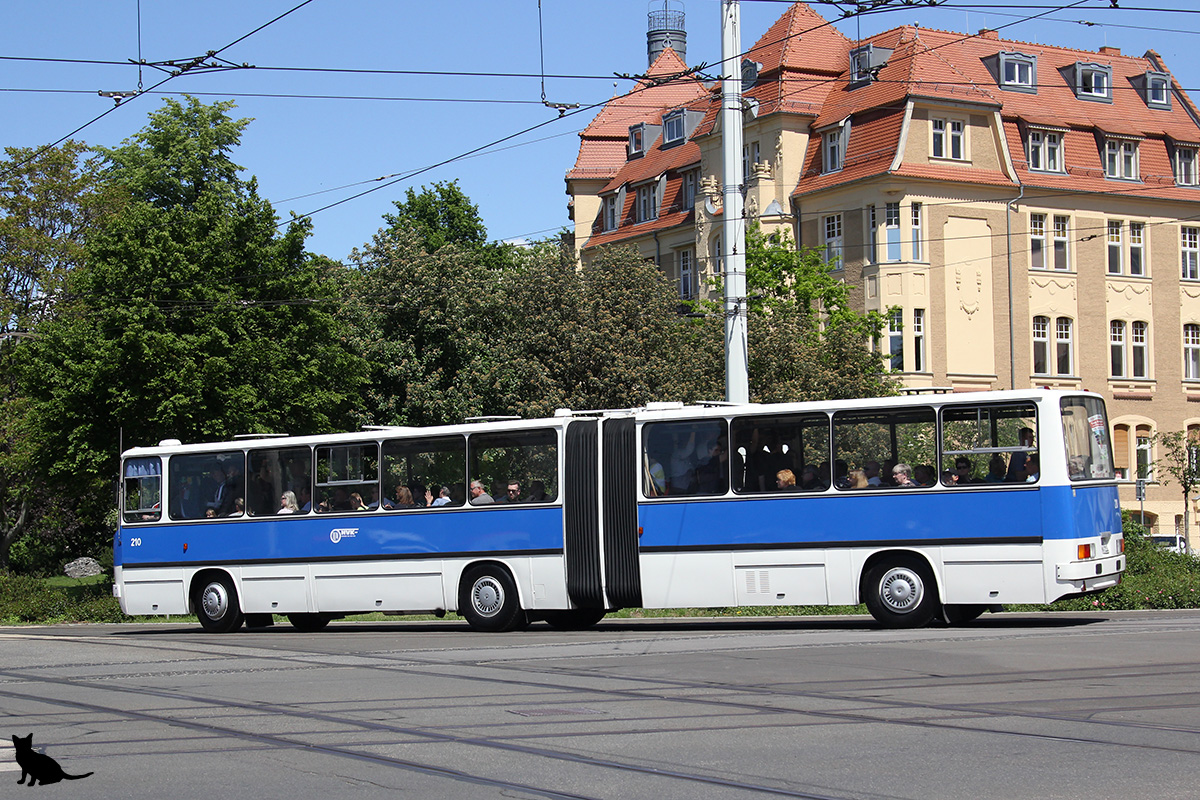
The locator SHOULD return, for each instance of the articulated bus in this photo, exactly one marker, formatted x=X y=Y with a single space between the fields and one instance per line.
x=921 y=507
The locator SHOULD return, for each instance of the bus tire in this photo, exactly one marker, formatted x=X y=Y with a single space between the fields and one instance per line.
x=574 y=619
x=487 y=599
x=309 y=623
x=217 y=607
x=962 y=614
x=900 y=592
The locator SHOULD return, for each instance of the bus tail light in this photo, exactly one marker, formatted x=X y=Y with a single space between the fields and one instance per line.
x=1085 y=551
x=1122 y=544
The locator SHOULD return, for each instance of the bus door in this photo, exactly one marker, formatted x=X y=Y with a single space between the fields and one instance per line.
x=601 y=534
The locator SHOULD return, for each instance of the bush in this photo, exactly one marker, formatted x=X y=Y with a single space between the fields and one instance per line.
x=24 y=598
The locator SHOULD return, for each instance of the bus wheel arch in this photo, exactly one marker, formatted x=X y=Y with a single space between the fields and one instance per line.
x=900 y=589
x=488 y=598
x=215 y=601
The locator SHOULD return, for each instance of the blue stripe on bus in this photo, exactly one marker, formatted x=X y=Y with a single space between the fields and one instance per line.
x=433 y=533
x=1047 y=512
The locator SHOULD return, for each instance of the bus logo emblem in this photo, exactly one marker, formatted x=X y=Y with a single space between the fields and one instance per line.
x=337 y=534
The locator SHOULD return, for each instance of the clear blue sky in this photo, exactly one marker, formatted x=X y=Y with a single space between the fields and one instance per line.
x=303 y=146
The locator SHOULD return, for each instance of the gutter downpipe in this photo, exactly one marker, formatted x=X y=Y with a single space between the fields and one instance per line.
x=1012 y=346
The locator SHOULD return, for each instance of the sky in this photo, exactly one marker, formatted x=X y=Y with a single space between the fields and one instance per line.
x=321 y=137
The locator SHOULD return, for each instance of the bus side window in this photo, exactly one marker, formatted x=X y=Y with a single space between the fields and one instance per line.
x=417 y=470
x=347 y=478
x=526 y=460
x=900 y=440
x=988 y=444
x=763 y=447
x=685 y=458
x=274 y=472
x=207 y=485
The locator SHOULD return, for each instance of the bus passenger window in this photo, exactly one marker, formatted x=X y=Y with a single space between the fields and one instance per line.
x=274 y=473
x=420 y=473
x=143 y=489
x=685 y=458
x=988 y=444
x=516 y=466
x=347 y=478
x=894 y=447
x=765 y=446
x=207 y=485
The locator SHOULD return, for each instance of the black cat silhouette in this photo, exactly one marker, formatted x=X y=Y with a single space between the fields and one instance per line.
x=37 y=766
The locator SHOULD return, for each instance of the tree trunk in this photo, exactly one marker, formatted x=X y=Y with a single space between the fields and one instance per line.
x=10 y=533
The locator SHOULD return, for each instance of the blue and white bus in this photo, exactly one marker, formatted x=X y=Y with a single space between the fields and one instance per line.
x=922 y=507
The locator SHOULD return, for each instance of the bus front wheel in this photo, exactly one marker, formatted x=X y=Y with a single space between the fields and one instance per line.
x=900 y=592
x=487 y=598
x=217 y=605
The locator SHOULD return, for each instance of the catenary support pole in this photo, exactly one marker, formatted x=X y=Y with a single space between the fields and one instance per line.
x=733 y=238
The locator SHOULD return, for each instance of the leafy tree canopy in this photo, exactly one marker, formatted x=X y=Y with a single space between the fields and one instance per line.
x=440 y=215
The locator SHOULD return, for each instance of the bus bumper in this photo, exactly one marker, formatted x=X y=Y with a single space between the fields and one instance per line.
x=1087 y=576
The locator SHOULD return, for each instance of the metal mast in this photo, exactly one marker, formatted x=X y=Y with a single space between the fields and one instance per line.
x=733 y=228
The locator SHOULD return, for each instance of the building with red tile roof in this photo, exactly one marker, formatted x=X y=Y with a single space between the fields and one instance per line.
x=1027 y=214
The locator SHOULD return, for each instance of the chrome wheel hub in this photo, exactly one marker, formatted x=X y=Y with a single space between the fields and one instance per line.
x=901 y=589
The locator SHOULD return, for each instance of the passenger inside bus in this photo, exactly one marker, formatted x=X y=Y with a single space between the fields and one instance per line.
x=785 y=480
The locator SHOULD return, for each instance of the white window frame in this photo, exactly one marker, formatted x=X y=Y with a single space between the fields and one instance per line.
x=1041 y=341
x=1139 y=349
x=1185 y=167
x=919 y=364
x=1093 y=82
x=834 y=240
x=1189 y=253
x=1039 y=257
x=1116 y=344
x=891 y=225
x=917 y=246
x=1115 y=259
x=750 y=157
x=687 y=190
x=1144 y=454
x=1044 y=150
x=1158 y=90
x=673 y=127
x=647 y=202
x=1062 y=243
x=687 y=275
x=1064 y=346
x=949 y=139
x=1137 y=248
x=872 y=235
x=1018 y=71
x=637 y=139
x=610 y=213
x=1191 y=352
x=1121 y=159
x=896 y=339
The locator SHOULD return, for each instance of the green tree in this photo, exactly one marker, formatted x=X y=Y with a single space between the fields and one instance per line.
x=440 y=215
x=192 y=318
x=806 y=339
x=48 y=202
x=1179 y=457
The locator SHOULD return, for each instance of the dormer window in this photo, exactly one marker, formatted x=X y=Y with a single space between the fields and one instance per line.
x=610 y=213
x=833 y=147
x=1045 y=150
x=647 y=202
x=673 y=124
x=637 y=140
x=1121 y=159
x=1093 y=82
x=1158 y=94
x=1185 y=166
x=1018 y=72
x=865 y=63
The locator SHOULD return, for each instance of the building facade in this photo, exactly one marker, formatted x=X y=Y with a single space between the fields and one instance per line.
x=1028 y=215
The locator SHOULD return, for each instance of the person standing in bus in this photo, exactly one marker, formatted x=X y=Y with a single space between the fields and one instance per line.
x=479 y=497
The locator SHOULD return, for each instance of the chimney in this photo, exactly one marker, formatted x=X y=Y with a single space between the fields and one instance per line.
x=987 y=33
x=1110 y=51
x=665 y=29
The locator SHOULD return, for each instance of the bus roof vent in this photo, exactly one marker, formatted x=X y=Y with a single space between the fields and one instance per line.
x=673 y=405
x=494 y=418
x=240 y=436
x=170 y=443
x=563 y=412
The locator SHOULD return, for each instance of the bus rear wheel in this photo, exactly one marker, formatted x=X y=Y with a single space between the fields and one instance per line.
x=217 y=606
x=900 y=592
x=961 y=614
x=487 y=598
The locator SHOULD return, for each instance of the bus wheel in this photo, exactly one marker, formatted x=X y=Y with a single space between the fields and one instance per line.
x=575 y=619
x=900 y=592
x=309 y=622
x=217 y=605
x=487 y=598
x=960 y=614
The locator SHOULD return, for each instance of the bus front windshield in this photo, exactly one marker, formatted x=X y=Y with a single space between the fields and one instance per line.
x=1085 y=434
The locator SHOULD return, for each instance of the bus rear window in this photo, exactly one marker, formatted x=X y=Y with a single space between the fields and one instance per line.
x=1085 y=434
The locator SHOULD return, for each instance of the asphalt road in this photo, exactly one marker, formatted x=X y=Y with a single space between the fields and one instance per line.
x=1074 y=706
